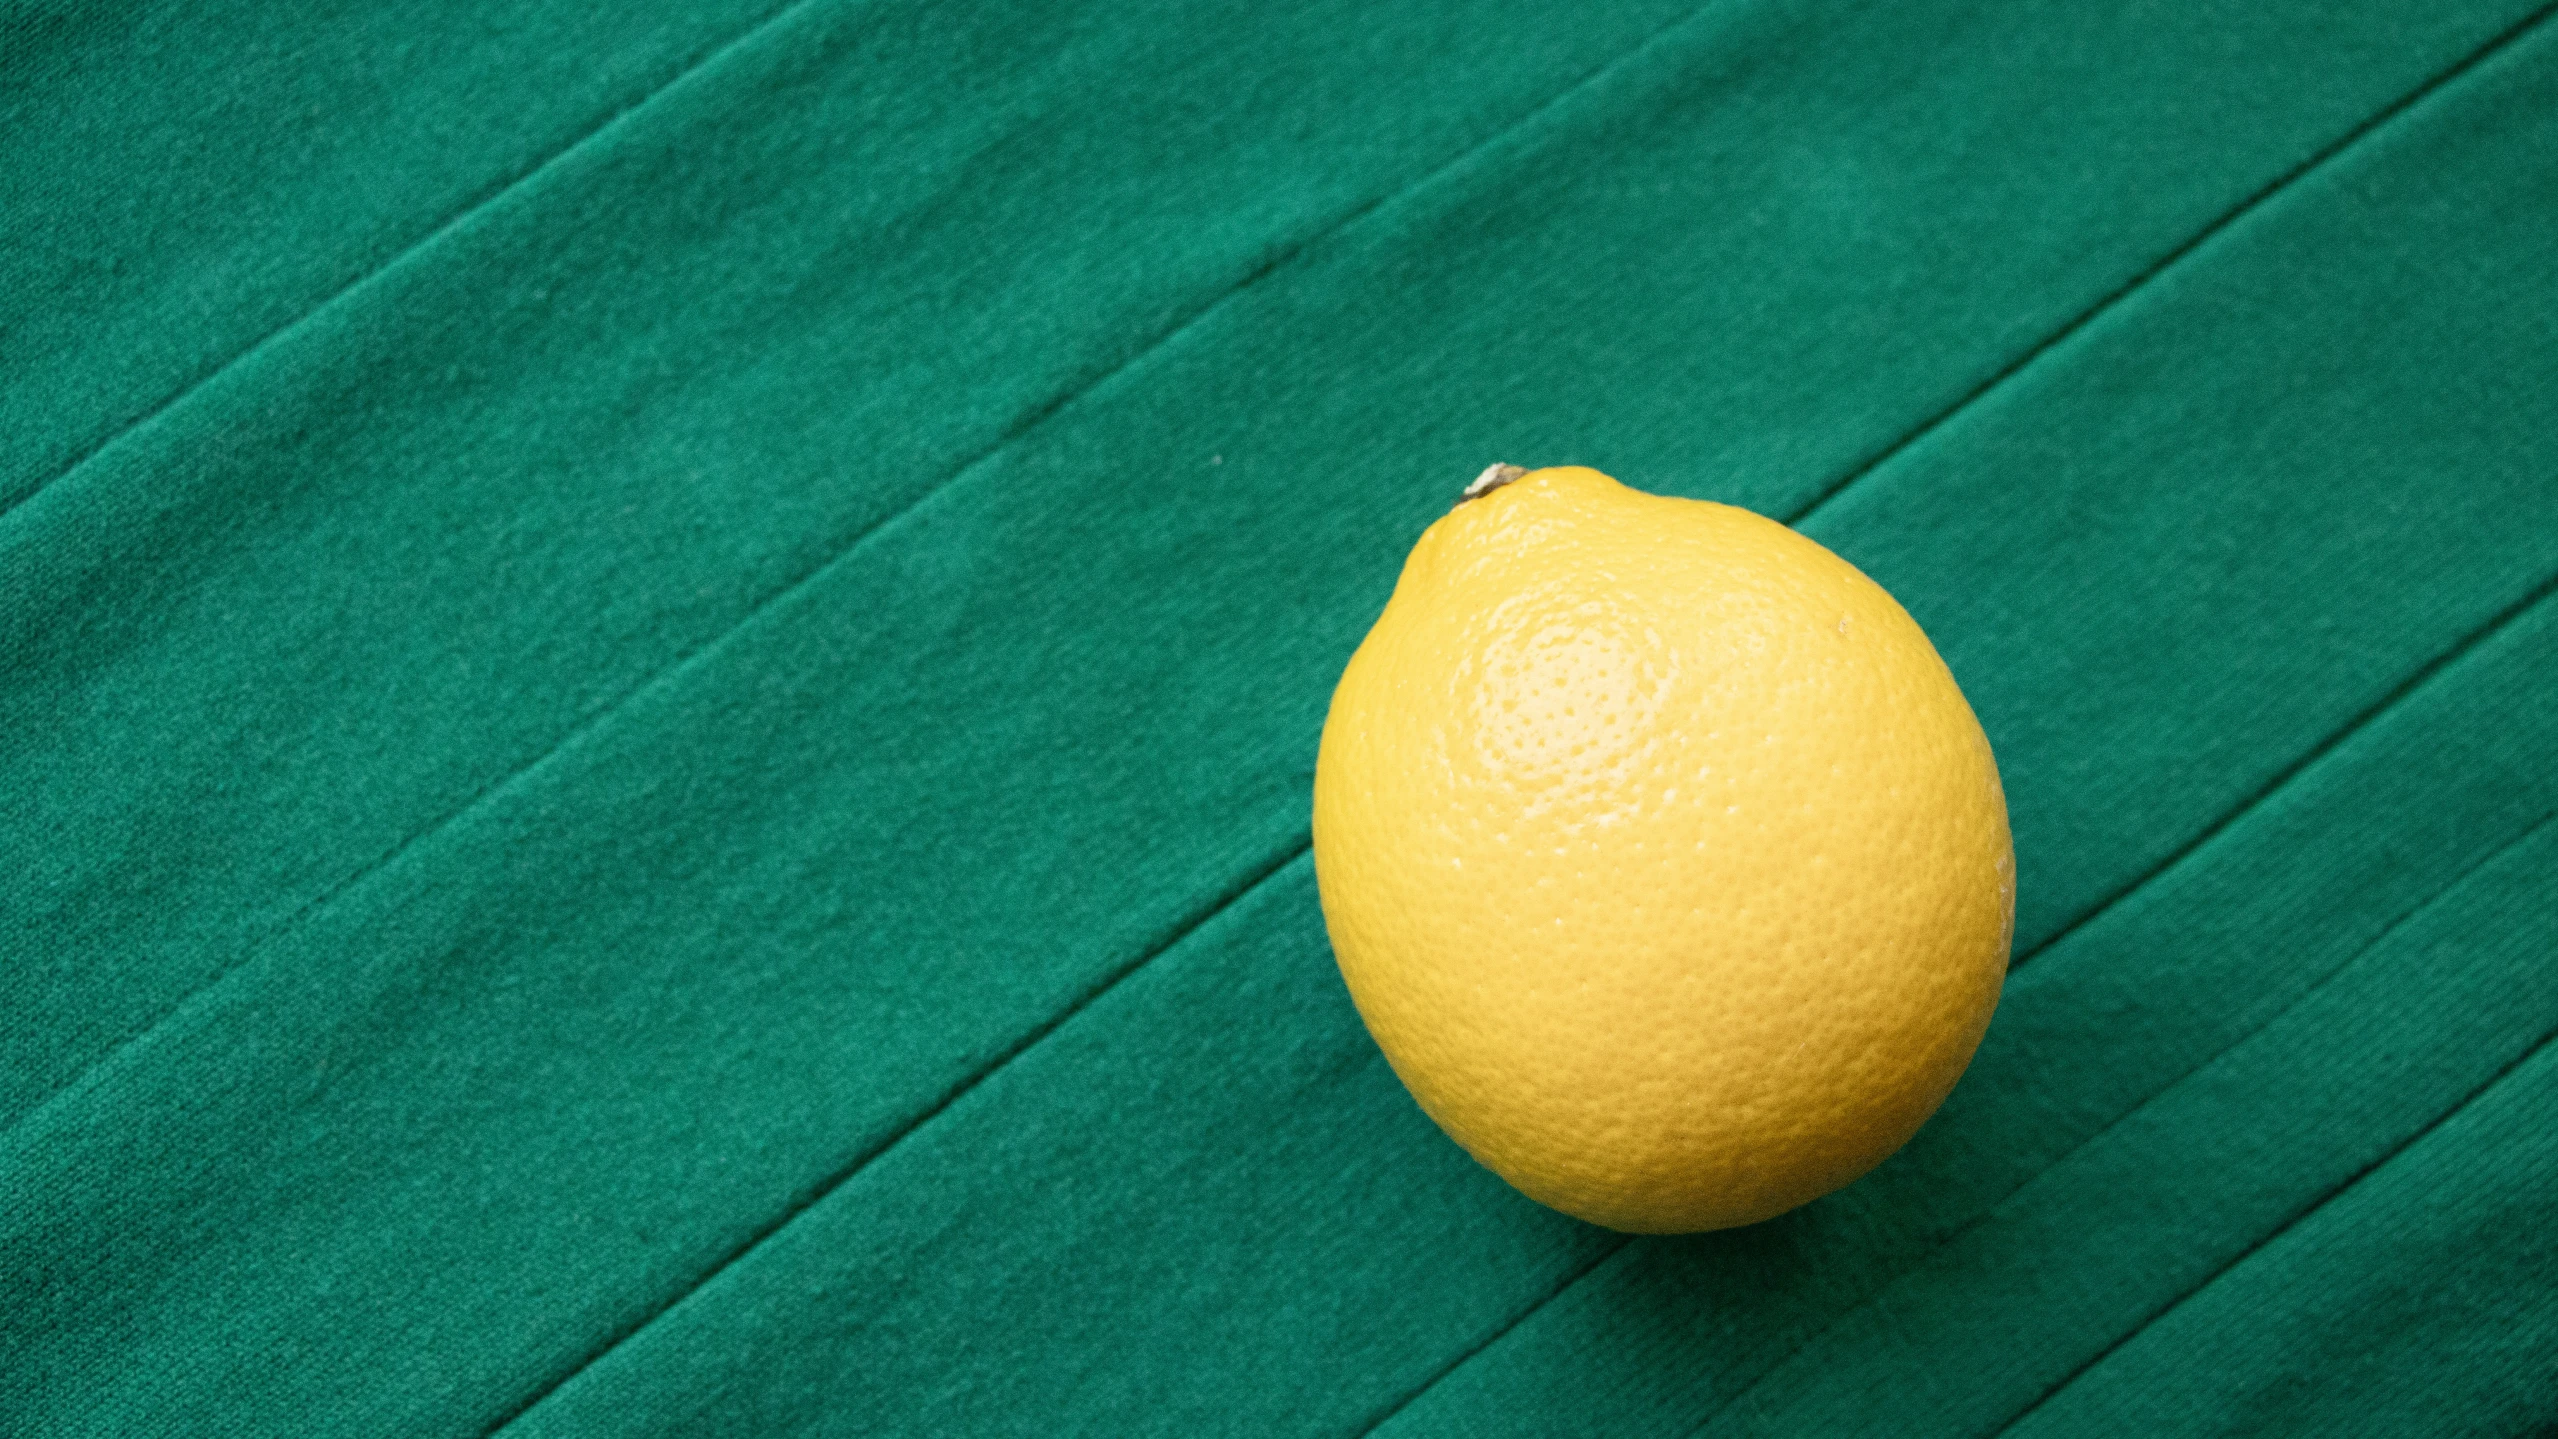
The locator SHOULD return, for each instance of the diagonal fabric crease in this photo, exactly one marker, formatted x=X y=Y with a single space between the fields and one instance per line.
x=2398 y=922
x=478 y=203
x=2287 y=1226
x=846 y=548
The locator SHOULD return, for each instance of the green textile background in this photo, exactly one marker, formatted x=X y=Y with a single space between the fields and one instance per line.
x=659 y=667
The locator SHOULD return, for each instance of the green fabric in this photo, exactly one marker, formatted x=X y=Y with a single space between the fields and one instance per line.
x=659 y=669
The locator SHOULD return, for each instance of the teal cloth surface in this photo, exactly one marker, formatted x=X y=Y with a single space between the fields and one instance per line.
x=659 y=668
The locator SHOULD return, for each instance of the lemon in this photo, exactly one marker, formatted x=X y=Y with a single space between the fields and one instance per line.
x=1660 y=852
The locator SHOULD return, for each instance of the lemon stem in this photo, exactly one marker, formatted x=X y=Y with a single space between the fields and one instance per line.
x=1491 y=479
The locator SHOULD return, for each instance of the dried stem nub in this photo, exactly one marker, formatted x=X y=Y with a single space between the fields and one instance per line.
x=1491 y=479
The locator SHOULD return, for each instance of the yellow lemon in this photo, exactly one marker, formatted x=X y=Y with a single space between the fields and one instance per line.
x=1660 y=852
